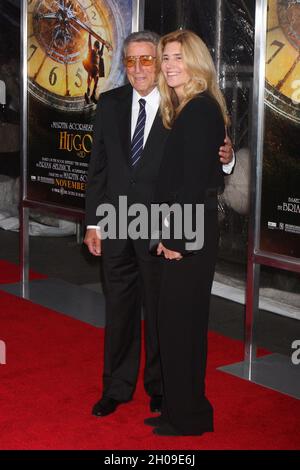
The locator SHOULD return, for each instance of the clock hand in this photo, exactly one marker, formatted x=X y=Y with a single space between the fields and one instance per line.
x=89 y=30
x=46 y=16
x=74 y=27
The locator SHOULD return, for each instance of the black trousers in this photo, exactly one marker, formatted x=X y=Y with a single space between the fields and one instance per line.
x=131 y=280
x=182 y=327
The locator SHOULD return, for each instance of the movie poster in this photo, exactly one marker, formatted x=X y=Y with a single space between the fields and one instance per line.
x=74 y=54
x=280 y=220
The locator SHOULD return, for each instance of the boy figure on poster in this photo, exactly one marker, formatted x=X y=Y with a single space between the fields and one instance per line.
x=94 y=65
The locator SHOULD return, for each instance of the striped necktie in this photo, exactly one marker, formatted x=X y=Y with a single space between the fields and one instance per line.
x=138 y=136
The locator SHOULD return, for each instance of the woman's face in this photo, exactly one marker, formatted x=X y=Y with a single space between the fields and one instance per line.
x=174 y=68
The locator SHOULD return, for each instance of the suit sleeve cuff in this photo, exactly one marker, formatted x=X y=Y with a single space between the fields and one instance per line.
x=93 y=227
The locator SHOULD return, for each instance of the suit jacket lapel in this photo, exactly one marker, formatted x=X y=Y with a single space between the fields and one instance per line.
x=123 y=112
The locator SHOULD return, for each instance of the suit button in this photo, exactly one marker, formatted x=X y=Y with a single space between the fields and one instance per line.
x=132 y=182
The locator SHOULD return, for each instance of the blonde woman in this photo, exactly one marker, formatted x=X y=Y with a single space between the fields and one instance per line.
x=194 y=110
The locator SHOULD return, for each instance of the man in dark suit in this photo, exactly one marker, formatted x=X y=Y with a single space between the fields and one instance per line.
x=128 y=145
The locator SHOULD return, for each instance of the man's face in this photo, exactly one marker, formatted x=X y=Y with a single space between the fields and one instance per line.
x=142 y=77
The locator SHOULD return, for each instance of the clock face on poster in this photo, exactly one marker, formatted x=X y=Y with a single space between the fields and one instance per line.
x=283 y=58
x=62 y=36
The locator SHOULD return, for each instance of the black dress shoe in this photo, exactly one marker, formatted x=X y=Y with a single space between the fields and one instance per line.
x=105 y=406
x=154 y=421
x=155 y=403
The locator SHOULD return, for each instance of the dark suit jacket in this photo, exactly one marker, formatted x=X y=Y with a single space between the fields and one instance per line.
x=110 y=173
x=191 y=171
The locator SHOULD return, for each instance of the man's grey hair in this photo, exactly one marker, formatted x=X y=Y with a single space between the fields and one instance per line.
x=141 y=36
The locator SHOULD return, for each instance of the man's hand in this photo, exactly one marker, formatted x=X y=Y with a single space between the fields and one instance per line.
x=168 y=254
x=226 y=151
x=92 y=240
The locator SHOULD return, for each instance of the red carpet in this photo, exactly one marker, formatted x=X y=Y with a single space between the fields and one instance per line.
x=52 y=378
x=10 y=273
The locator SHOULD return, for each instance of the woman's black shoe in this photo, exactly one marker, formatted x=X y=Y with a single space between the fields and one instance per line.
x=105 y=406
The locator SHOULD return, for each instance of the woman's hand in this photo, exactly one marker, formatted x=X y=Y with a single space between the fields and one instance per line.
x=168 y=254
x=226 y=152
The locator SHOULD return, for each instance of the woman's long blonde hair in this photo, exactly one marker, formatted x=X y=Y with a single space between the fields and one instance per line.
x=200 y=67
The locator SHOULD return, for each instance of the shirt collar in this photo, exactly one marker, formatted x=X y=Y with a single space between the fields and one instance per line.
x=152 y=99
